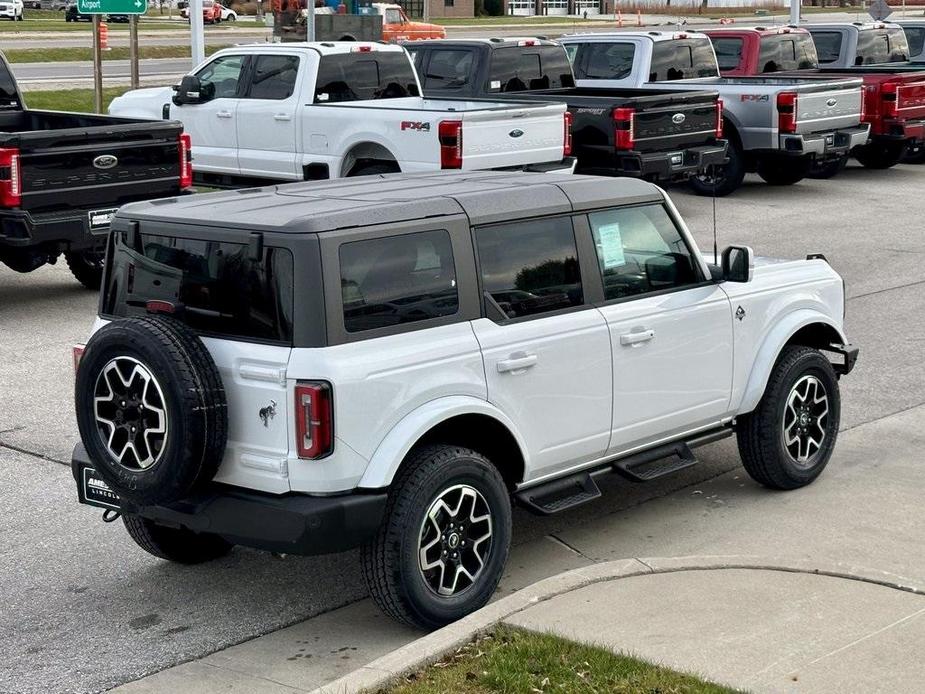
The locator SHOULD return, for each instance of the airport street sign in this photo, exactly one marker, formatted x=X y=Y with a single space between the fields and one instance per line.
x=112 y=6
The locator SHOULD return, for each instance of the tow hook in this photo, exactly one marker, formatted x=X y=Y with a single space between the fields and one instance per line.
x=110 y=515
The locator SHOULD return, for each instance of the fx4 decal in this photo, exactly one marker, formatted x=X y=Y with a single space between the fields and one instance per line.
x=755 y=97
x=415 y=125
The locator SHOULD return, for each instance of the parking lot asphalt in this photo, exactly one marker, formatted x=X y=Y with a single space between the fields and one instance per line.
x=85 y=610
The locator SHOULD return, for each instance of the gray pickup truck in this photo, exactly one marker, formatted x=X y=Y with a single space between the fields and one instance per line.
x=780 y=127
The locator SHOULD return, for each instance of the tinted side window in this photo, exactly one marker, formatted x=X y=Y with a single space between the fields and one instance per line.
x=640 y=250
x=777 y=53
x=681 y=60
x=881 y=47
x=605 y=61
x=916 y=38
x=397 y=279
x=805 y=51
x=515 y=70
x=448 y=69
x=224 y=73
x=274 y=77
x=363 y=76
x=728 y=52
x=828 y=45
x=530 y=267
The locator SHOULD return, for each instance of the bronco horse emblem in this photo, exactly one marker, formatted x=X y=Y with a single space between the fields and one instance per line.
x=267 y=413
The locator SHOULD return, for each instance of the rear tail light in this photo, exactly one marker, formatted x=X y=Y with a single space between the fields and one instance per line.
x=77 y=353
x=787 y=112
x=567 y=141
x=186 y=160
x=160 y=306
x=314 y=419
x=624 y=134
x=450 y=134
x=10 y=178
x=719 y=118
x=889 y=94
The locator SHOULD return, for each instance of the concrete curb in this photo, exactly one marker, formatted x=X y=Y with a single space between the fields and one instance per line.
x=430 y=648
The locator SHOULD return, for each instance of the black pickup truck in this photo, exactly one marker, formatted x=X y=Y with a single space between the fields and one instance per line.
x=63 y=175
x=661 y=134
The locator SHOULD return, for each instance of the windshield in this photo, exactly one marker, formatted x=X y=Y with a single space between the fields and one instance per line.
x=217 y=287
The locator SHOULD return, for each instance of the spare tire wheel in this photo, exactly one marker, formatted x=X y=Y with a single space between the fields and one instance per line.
x=151 y=409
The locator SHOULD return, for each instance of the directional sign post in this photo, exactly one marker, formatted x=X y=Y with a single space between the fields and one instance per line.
x=98 y=8
x=879 y=10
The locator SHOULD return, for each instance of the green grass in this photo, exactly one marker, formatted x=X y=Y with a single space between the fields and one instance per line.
x=60 y=55
x=71 y=99
x=513 y=660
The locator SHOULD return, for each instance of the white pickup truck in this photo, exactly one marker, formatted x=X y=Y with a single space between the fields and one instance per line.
x=782 y=127
x=293 y=112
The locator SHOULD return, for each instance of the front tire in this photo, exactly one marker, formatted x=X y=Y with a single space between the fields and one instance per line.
x=787 y=440
x=444 y=541
x=175 y=544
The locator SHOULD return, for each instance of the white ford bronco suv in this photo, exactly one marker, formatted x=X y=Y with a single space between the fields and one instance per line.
x=387 y=362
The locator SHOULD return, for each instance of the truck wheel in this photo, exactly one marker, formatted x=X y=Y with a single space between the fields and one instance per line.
x=784 y=171
x=151 y=409
x=880 y=154
x=442 y=546
x=373 y=168
x=788 y=439
x=175 y=544
x=87 y=266
x=831 y=168
x=720 y=181
x=914 y=155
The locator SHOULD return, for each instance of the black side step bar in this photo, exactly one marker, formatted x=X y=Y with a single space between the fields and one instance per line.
x=574 y=490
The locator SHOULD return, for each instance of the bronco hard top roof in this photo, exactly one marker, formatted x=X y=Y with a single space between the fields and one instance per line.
x=317 y=206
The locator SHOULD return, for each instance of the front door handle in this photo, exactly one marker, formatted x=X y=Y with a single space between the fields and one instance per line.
x=636 y=338
x=282 y=117
x=223 y=114
x=517 y=363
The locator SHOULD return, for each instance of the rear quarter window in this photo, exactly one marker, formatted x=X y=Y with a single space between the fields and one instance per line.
x=881 y=46
x=915 y=36
x=786 y=52
x=217 y=287
x=363 y=76
x=728 y=52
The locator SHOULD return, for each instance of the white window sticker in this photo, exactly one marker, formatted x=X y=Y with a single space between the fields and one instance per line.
x=494 y=84
x=611 y=245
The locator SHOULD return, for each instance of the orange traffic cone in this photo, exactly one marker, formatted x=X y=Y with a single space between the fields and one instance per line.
x=104 y=36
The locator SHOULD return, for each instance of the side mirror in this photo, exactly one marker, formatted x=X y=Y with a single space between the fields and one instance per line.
x=738 y=264
x=192 y=91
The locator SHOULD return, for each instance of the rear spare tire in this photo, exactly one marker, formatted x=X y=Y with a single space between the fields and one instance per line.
x=151 y=409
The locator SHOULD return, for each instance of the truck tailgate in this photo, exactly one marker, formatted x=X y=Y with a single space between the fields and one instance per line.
x=676 y=125
x=493 y=137
x=828 y=109
x=96 y=166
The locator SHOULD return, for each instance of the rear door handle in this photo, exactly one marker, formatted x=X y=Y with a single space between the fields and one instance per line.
x=517 y=363
x=223 y=114
x=636 y=338
x=282 y=117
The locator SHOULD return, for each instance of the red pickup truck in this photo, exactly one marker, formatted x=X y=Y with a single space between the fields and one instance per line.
x=894 y=95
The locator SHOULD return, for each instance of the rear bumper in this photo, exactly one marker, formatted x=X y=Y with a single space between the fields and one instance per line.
x=827 y=144
x=289 y=523
x=663 y=166
x=891 y=129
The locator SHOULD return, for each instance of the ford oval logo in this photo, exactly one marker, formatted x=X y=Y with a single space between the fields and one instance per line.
x=678 y=118
x=105 y=161
x=516 y=133
x=831 y=103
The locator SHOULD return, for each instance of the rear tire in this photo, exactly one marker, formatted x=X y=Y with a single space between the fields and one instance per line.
x=784 y=171
x=915 y=155
x=880 y=154
x=789 y=422
x=431 y=563
x=829 y=169
x=175 y=544
x=373 y=169
x=87 y=266
x=720 y=181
